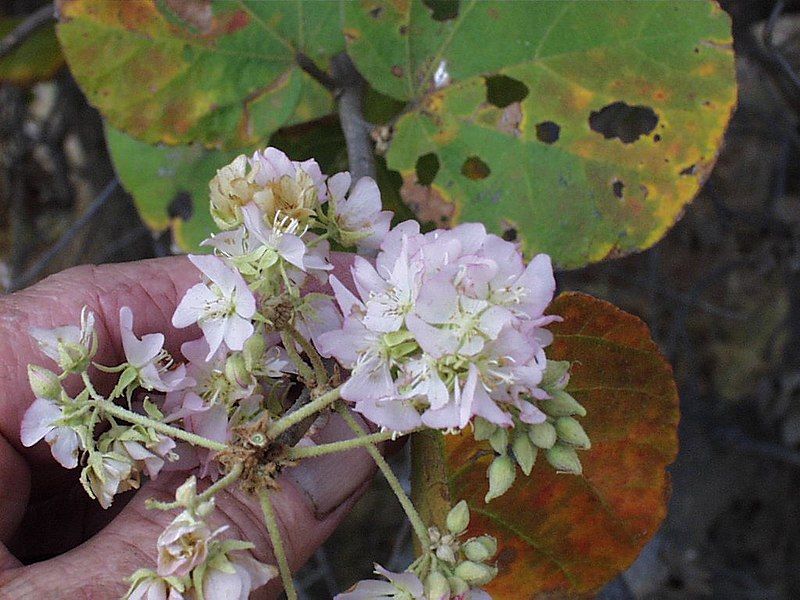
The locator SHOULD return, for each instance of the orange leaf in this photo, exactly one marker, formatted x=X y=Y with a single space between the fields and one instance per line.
x=565 y=535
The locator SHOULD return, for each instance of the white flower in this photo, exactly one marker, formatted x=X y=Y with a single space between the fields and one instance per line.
x=147 y=355
x=234 y=575
x=398 y=586
x=358 y=217
x=41 y=421
x=72 y=347
x=223 y=308
x=183 y=545
x=150 y=586
x=108 y=474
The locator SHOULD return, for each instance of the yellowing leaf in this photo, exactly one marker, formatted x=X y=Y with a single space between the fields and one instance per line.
x=37 y=58
x=580 y=128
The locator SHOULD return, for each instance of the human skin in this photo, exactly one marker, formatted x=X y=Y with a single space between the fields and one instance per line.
x=45 y=516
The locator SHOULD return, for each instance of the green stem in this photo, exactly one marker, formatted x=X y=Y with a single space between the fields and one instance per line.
x=429 y=484
x=277 y=545
x=420 y=529
x=229 y=479
x=320 y=371
x=173 y=432
x=286 y=421
x=298 y=452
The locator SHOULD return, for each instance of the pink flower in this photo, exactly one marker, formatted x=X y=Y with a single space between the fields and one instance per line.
x=358 y=216
x=108 y=474
x=236 y=577
x=148 y=357
x=183 y=545
x=150 y=456
x=399 y=586
x=41 y=421
x=223 y=309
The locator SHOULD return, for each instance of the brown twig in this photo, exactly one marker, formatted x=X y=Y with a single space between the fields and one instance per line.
x=25 y=29
x=356 y=130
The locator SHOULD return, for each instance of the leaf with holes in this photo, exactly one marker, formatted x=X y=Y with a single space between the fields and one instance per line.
x=567 y=534
x=37 y=58
x=215 y=72
x=169 y=184
x=580 y=128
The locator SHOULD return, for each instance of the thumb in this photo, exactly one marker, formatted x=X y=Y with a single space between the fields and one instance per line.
x=311 y=501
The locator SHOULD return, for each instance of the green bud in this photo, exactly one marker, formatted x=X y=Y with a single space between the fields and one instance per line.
x=483 y=429
x=253 y=351
x=499 y=440
x=480 y=549
x=555 y=375
x=524 y=451
x=44 y=383
x=457 y=586
x=502 y=473
x=187 y=492
x=475 y=574
x=458 y=518
x=543 y=435
x=236 y=370
x=562 y=405
x=564 y=459
x=570 y=432
x=436 y=586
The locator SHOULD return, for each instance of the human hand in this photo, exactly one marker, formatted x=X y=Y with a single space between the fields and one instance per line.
x=45 y=515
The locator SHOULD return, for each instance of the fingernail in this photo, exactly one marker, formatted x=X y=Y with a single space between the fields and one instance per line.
x=329 y=480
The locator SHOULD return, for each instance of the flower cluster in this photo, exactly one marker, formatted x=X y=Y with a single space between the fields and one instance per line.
x=440 y=330
x=446 y=326
x=452 y=568
x=194 y=562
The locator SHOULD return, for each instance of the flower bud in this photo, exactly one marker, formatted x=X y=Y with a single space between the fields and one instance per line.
x=236 y=370
x=524 y=451
x=253 y=352
x=475 y=574
x=458 y=518
x=564 y=459
x=436 y=586
x=499 y=440
x=457 y=586
x=187 y=492
x=44 y=383
x=480 y=549
x=562 y=405
x=502 y=473
x=570 y=432
x=555 y=375
x=483 y=429
x=543 y=435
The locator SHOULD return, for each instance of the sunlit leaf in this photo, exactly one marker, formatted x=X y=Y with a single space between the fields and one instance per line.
x=179 y=71
x=565 y=534
x=37 y=58
x=580 y=128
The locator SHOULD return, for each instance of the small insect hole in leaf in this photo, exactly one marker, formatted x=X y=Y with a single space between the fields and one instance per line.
x=181 y=206
x=501 y=90
x=623 y=121
x=548 y=132
x=690 y=170
x=618 y=187
x=656 y=138
x=474 y=168
x=427 y=167
x=510 y=234
x=376 y=12
x=442 y=10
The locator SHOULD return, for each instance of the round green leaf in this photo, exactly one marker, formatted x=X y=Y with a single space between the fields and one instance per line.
x=179 y=71
x=169 y=184
x=580 y=128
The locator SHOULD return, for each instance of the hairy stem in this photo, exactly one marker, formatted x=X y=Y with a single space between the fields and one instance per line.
x=320 y=372
x=420 y=529
x=277 y=545
x=358 y=442
x=302 y=366
x=229 y=479
x=429 y=487
x=315 y=406
x=131 y=417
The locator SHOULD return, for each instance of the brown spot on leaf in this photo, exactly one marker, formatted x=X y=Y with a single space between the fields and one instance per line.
x=427 y=202
x=196 y=13
x=397 y=71
x=351 y=35
x=474 y=168
x=510 y=119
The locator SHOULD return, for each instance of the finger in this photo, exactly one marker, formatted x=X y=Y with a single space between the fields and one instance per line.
x=308 y=508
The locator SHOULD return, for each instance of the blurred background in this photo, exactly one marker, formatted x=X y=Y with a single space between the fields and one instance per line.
x=721 y=293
